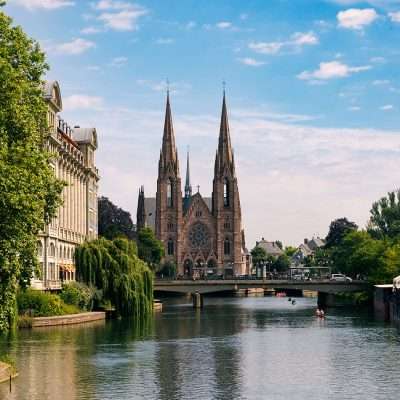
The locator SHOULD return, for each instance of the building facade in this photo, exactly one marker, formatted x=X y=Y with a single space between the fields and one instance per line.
x=202 y=236
x=76 y=220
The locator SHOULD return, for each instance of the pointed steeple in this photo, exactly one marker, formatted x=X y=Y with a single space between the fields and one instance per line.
x=169 y=153
x=141 y=220
x=224 y=154
x=188 y=186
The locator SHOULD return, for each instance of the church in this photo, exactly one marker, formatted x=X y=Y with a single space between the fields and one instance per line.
x=203 y=236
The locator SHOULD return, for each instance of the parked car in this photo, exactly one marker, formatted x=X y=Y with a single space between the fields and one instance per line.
x=340 y=278
x=297 y=277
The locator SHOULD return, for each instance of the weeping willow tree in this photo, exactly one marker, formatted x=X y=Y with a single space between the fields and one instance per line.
x=114 y=267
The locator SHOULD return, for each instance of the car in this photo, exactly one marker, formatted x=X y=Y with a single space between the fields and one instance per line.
x=297 y=277
x=340 y=278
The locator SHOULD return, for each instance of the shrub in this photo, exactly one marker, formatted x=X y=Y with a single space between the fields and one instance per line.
x=79 y=295
x=24 y=321
x=40 y=304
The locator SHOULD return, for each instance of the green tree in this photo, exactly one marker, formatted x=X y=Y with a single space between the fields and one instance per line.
x=338 y=230
x=259 y=256
x=168 y=270
x=385 y=217
x=29 y=191
x=115 y=269
x=290 y=250
x=151 y=250
x=282 y=263
x=114 y=221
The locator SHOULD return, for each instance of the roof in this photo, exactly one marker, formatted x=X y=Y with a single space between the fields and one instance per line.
x=270 y=247
x=150 y=206
x=315 y=243
x=85 y=135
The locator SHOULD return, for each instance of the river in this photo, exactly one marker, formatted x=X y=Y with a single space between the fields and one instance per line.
x=235 y=348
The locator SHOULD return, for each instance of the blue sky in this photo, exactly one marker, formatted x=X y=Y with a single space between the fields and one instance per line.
x=313 y=91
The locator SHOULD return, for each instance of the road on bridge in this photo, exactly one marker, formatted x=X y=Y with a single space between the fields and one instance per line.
x=214 y=286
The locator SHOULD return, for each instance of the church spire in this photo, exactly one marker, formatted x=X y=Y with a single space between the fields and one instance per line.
x=141 y=217
x=188 y=186
x=169 y=153
x=224 y=153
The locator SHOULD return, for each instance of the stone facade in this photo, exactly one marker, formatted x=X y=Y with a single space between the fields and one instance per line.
x=202 y=236
x=76 y=220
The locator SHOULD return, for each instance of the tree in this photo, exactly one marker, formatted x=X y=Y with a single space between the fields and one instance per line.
x=290 y=250
x=279 y=244
x=151 y=250
x=385 y=217
x=114 y=221
x=338 y=230
x=282 y=263
x=168 y=270
x=29 y=191
x=259 y=255
x=114 y=267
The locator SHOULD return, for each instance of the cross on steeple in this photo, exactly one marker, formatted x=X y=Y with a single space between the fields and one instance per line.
x=198 y=188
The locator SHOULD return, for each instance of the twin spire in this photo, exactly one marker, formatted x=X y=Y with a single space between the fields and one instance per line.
x=224 y=156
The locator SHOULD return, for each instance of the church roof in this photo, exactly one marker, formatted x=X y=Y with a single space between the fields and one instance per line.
x=150 y=206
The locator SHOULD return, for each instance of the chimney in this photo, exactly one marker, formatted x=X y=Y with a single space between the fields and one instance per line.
x=305 y=241
x=76 y=127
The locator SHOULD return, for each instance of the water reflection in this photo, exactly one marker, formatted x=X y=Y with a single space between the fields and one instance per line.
x=235 y=348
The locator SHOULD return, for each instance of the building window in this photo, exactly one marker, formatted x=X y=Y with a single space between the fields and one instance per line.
x=198 y=214
x=170 y=247
x=52 y=250
x=39 y=249
x=226 y=193
x=227 y=225
x=170 y=202
x=227 y=247
x=170 y=226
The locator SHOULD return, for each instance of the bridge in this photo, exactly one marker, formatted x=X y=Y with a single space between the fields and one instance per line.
x=199 y=287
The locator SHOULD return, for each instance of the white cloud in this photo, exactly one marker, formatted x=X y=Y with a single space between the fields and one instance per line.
x=162 y=86
x=82 y=101
x=190 y=25
x=251 y=62
x=296 y=42
x=243 y=16
x=224 y=25
x=93 y=68
x=356 y=18
x=125 y=20
x=165 y=41
x=386 y=107
x=331 y=70
x=377 y=60
x=119 y=15
x=311 y=175
x=90 y=30
x=44 y=4
x=75 y=47
x=354 y=108
x=378 y=82
x=119 y=62
x=394 y=16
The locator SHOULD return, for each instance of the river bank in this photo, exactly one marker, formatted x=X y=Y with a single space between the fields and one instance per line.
x=7 y=371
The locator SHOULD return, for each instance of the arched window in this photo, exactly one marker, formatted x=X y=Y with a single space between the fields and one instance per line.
x=170 y=202
x=39 y=248
x=226 y=193
x=227 y=247
x=170 y=247
x=52 y=250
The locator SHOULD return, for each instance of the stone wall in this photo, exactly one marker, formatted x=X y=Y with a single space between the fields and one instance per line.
x=68 y=319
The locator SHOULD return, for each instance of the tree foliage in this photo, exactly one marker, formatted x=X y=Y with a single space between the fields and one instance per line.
x=114 y=221
x=338 y=230
x=385 y=217
x=29 y=191
x=259 y=255
x=151 y=250
x=114 y=268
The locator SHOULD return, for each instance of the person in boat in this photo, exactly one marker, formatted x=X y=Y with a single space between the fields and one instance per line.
x=318 y=312
x=322 y=313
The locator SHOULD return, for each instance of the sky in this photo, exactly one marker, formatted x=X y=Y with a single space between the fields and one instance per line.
x=312 y=88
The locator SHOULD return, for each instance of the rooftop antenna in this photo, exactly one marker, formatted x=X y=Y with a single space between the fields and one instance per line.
x=223 y=86
x=167 y=82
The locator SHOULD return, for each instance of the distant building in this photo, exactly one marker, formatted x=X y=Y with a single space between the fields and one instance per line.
x=201 y=235
x=306 y=249
x=271 y=248
x=76 y=219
